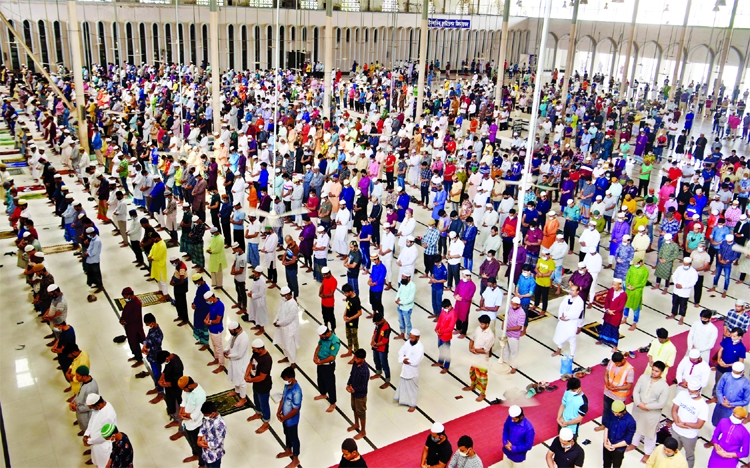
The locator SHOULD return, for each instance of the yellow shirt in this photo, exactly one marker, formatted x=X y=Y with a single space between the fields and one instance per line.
x=545 y=266
x=664 y=352
x=659 y=459
x=81 y=360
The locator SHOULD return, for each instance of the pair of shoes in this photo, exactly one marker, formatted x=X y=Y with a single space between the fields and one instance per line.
x=566 y=377
x=583 y=373
x=605 y=361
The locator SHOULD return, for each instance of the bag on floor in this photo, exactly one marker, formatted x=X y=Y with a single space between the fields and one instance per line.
x=566 y=365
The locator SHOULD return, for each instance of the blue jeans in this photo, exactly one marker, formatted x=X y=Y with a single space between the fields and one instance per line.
x=468 y=263
x=291 y=281
x=155 y=374
x=253 y=257
x=404 y=320
x=318 y=264
x=260 y=400
x=727 y=270
x=354 y=283
x=401 y=181
x=557 y=275
x=381 y=364
x=444 y=353
x=437 y=300
x=636 y=314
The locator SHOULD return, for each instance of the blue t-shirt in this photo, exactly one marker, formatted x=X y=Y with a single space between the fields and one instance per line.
x=732 y=353
x=377 y=276
x=291 y=399
x=575 y=405
x=216 y=310
x=238 y=216
x=439 y=272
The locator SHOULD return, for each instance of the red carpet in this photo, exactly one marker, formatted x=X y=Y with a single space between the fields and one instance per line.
x=486 y=425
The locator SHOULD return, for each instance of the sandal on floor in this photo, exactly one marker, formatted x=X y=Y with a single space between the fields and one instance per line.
x=605 y=361
x=566 y=377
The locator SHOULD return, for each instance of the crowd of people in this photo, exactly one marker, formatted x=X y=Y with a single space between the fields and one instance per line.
x=280 y=182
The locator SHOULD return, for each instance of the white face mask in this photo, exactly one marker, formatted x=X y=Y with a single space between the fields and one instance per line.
x=685 y=267
x=462 y=454
x=526 y=274
x=701 y=249
x=287 y=382
x=591 y=228
x=736 y=376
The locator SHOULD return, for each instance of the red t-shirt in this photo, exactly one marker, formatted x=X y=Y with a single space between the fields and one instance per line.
x=329 y=287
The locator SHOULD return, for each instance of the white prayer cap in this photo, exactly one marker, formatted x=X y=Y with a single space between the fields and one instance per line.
x=566 y=434
x=694 y=354
x=626 y=237
x=39 y=255
x=214 y=230
x=195 y=218
x=285 y=290
x=174 y=257
x=570 y=201
x=89 y=230
x=322 y=329
x=259 y=269
x=592 y=223
x=414 y=332
x=714 y=212
x=28 y=248
x=641 y=228
x=208 y=295
x=232 y=325
x=739 y=302
x=542 y=194
x=616 y=280
x=514 y=411
x=452 y=234
x=729 y=238
x=51 y=287
x=687 y=260
x=186 y=205
x=321 y=229
x=560 y=236
x=92 y=398
x=552 y=213
x=386 y=224
x=235 y=245
x=465 y=273
x=516 y=300
x=695 y=384
x=738 y=367
x=667 y=236
x=26 y=234
x=437 y=428
x=581 y=265
x=411 y=238
x=258 y=343
x=325 y=270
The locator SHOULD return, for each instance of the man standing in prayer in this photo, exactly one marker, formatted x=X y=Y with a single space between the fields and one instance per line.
x=258 y=311
x=122 y=449
x=689 y=413
x=437 y=451
x=259 y=374
x=731 y=440
x=200 y=312
x=635 y=281
x=405 y=295
x=692 y=366
x=565 y=451
x=668 y=253
x=193 y=397
x=170 y=377
x=732 y=390
x=288 y=414
x=151 y=348
x=480 y=346
x=614 y=304
x=92 y=257
x=359 y=377
x=668 y=456
x=158 y=258
x=324 y=358
x=287 y=327
x=683 y=278
x=618 y=381
x=238 y=273
x=102 y=414
x=703 y=335
x=179 y=283
x=464 y=294
x=410 y=356
x=568 y=317
x=217 y=260
x=649 y=398
x=268 y=259
x=79 y=405
x=573 y=407
x=518 y=437
x=211 y=435
x=239 y=357
x=444 y=331
x=662 y=349
x=215 y=322
x=407 y=259
x=132 y=320
x=618 y=434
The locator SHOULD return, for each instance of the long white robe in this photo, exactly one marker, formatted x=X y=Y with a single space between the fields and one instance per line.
x=408 y=259
x=258 y=310
x=387 y=242
x=406 y=229
x=489 y=219
x=239 y=358
x=269 y=250
x=238 y=191
x=339 y=237
x=100 y=448
x=66 y=150
x=570 y=310
x=408 y=385
x=287 y=332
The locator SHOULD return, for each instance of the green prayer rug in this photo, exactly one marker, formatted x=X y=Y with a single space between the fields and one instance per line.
x=147 y=299
x=8 y=235
x=225 y=403
x=59 y=248
x=592 y=330
x=33 y=196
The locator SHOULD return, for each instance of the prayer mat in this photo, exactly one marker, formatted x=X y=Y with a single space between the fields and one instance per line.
x=33 y=196
x=30 y=188
x=592 y=330
x=533 y=318
x=225 y=403
x=16 y=164
x=8 y=235
x=65 y=172
x=59 y=248
x=15 y=172
x=147 y=299
x=600 y=297
x=13 y=159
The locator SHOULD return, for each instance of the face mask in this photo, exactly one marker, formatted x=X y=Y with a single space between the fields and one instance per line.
x=685 y=267
x=581 y=271
x=637 y=265
x=288 y=382
x=461 y=454
x=526 y=274
x=436 y=439
x=736 y=341
x=731 y=418
x=404 y=281
x=701 y=249
x=591 y=228
x=736 y=376
x=127 y=299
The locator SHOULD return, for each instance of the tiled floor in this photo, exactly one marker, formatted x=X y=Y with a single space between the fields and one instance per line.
x=39 y=426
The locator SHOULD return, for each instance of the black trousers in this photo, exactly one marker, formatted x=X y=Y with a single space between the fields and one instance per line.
x=180 y=303
x=679 y=305
x=613 y=459
x=241 y=293
x=541 y=293
x=273 y=274
x=225 y=229
x=375 y=233
x=192 y=438
x=429 y=264
x=329 y=318
x=239 y=237
x=569 y=233
x=462 y=326
x=507 y=249
x=94 y=275
x=389 y=181
x=698 y=290
x=376 y=301
x=327 y=381
x=135 y=246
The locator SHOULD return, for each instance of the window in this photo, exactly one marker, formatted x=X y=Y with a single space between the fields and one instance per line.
x=142 y=39
x=269 y=42
x=57 y=29
x=260 y=3
x=168 y=40
x=155 y=43
x=208 y=2
x=101 y=43
x=204 y=32
x=43 y=47
x=349 y=5
x=129 y=47
x=14 y=60
x=193 y=46
x=27 y=38
x=309 y=4
x=88 y=56
x=315 y=44
x=243 y=46
x=230 y=45
x=116 y=42
x=282 y=59
x=181 y=43
x=390 y=6
x=256 y=40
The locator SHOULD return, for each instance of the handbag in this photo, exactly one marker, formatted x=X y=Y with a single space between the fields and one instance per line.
x=566 y=365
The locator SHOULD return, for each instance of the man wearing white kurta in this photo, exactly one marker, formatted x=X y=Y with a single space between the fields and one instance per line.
x=66 y=149
x=287 y=327
x=568 y=315
x=589 y=239
x=594 y=264
x=410 y=355
x=489 y=220
x=506 y=204
x=387 y=245
x=406 y=229
x=703 y=335
x=238 y=357
x=238 y=189
x=339 y=244
x=408 y=258
x=269 y=249
x=258 y=310
x=102 y=413
x=692 y=366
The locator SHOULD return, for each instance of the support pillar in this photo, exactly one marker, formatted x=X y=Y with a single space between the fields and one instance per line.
x=75 y=48
x=422 y=61
x=725 y=51
x=571 y=55
x=680 y=48
x=501 y=57
x=215 y=73
x=628 y=53
x=328 y=61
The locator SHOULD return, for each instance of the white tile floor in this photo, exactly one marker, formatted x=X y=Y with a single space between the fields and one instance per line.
x=39 y=426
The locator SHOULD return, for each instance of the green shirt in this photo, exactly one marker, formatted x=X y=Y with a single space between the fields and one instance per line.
x=328 y=346
x=646 y=171
x=122 y=169
x=406 y=294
